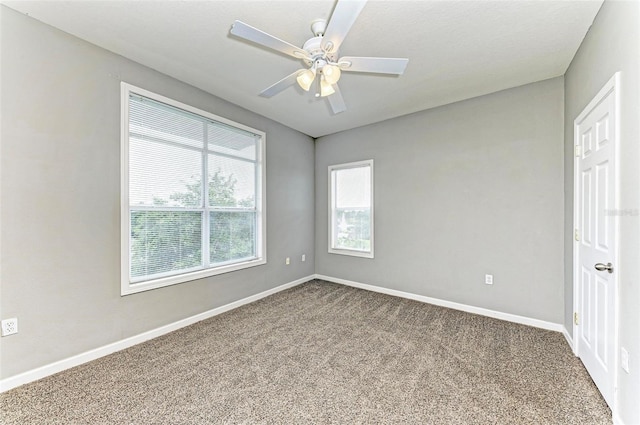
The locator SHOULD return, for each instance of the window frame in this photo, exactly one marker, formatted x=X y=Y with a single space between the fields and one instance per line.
x=331 y=221
x=131 y=286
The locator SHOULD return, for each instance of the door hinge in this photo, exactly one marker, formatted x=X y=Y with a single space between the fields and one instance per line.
x=576 y=234
x=575 y=318
x=576 y=150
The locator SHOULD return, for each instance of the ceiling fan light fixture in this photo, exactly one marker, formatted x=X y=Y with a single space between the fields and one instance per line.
x=305 y=78
x=331 y=73
x=326 y=89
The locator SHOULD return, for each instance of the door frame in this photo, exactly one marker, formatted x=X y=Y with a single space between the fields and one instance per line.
x=611 y=87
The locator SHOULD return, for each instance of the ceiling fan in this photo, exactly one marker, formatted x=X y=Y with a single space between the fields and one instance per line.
x=320 y=55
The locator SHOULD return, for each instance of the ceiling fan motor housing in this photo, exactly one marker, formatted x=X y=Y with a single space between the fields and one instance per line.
x=313 y=46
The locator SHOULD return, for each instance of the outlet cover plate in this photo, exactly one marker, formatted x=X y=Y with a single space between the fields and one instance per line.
x=10 y=326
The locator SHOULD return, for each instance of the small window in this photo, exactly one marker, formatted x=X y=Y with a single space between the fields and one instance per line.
x=351 y=209
x=192 y=193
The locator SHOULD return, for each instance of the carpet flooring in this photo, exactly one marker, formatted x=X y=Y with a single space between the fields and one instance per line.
x=325 y=353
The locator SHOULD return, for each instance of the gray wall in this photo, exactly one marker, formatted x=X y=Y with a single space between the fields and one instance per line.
x=612 y=44
x=462 y=190
x=60 y=187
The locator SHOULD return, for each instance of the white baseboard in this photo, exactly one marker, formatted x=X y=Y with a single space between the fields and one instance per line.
x=569 y=339
x=450 y=304
x=617 y=420
x=43 y=371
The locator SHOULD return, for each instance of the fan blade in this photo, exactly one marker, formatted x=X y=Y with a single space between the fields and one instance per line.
x=344 y=15
x=287 y=81
x=242 y=30
x=336 y=101
x=376 y=65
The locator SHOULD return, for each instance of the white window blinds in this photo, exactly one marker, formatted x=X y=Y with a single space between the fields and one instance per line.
x=194 y=193
x=351 y=209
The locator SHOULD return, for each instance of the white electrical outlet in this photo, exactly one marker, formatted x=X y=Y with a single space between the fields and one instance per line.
x=488 y=279
x=304 y=258
x=287 y=261
x=624 y=359
x=10 y=326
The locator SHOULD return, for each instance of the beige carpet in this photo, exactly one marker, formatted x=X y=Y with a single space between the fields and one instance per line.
x=325 y=353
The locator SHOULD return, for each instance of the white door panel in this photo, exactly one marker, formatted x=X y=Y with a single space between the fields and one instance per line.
x=595 y=290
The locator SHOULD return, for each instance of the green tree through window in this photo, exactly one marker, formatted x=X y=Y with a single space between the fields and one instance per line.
x=165 y=241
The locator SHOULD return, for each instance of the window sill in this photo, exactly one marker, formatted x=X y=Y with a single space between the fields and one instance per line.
x=128 y=288
x=352 y=253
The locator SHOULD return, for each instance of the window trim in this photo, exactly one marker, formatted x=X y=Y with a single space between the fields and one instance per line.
x=343 y=251
x=127 y=286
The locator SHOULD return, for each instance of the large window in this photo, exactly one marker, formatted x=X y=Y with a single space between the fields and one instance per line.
x=192 y=193
x=351 y=209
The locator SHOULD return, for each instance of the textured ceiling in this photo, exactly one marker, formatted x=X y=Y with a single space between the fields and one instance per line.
x=456 y=49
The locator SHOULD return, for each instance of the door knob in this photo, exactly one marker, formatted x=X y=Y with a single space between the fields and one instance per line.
x=602 y=267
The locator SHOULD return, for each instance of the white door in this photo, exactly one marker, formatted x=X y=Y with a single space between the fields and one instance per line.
x=595 y=279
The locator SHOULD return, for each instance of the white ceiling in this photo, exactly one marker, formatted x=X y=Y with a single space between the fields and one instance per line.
x=456 y=49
